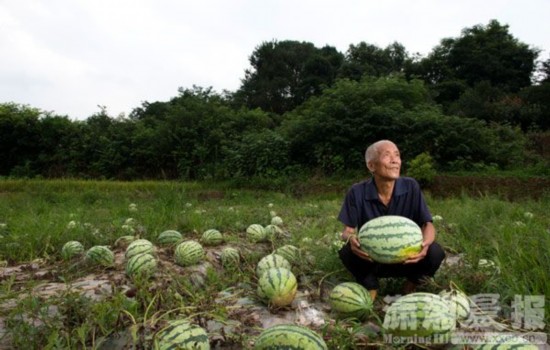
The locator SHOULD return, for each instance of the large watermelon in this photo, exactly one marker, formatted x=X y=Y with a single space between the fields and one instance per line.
x=350 y=299
x=390 y=239
x=143 y=264
x=101 y=255
x=139 y=246
x=419 y=314
x=269 y=261
x=72 y=249
x=289 y=336
x=277 y=286
x=188 y=253
x=180 y=334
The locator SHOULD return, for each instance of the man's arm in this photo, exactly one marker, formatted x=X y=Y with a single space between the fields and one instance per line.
x=428 y=237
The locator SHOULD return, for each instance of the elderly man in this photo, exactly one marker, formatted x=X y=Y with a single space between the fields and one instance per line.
x=386 y=193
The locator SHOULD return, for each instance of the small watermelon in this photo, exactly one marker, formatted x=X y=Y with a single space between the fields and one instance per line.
x=289 y=336
x=277 y=286
x=273 y=231
x=101 y=255
x=419 y=314
x=212 y=237
x=277 y=221
x=181 y=334
x=390 y=239
x=124 y=241
x=269 y=261
x=230 y=257
x=256 y=233
x=139 y=246
x=350 y=300
x=169 y=237
x=143 y=264
x=71 y=249
x=290 y=253
x=188 y=253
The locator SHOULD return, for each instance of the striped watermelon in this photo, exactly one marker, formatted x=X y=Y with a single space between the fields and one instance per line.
x=390 y=239
x=143 y=264
x=230 y=257
x=256 y=233
x=180 y=334
x=277 y=286
x=211 y=237
x=419 y=314
x=71 y=249
x=269 y=261
x=124 y=241
x=289 y=252
x=169 y=237
x=277 y=221
x=507 y=342
x=289 y=336
x=458 y=303
x=188 y=253
x=350 y=300
x=101 y=255
x=139 y=246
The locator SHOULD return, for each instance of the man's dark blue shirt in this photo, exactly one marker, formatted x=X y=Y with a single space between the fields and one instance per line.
x=363 y=204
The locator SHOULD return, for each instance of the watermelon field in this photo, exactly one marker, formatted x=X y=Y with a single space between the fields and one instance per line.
x=52 y=298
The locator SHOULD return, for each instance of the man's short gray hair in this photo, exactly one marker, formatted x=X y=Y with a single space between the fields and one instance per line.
x=372 y=152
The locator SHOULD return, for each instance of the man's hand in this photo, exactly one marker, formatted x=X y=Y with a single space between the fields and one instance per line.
x=355 y=248
x=417 y=257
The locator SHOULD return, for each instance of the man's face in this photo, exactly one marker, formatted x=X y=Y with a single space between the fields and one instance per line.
x=388 y=165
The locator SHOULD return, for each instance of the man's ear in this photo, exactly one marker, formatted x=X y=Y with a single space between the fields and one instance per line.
x=370 y=166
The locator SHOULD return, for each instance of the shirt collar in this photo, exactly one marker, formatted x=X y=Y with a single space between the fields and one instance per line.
x=371 y=192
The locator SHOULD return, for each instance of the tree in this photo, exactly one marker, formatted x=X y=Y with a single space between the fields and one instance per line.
x=284 y=74
x=367 y=59
x=482 y=53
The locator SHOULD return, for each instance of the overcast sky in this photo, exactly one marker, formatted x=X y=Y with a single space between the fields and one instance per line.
x=69 y=56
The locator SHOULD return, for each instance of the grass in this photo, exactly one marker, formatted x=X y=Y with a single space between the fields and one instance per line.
x=38 y=217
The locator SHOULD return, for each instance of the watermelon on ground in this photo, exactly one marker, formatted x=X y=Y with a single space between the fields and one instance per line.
x=72 y=249
x=269 y=261
x=277 y=286
x=350 y=300
x=289 y=336
x=188 y=253
x=181 y=334
x=143 y=264
x=139 y=246
x=101 y=255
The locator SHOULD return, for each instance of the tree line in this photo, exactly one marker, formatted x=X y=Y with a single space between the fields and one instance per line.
x=475 y=101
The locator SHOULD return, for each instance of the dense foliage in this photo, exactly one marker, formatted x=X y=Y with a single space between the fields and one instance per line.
x=477 y=101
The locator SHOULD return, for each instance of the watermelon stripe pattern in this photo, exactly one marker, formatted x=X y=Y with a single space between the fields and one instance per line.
x=139 y=246
x=390 y=239
x=188 y=253
x=101 y=255
x=212 y=237
x=169 y=237
x=289 y=252
x=278 y=286
x=181 y=334
x=458 y=303
x=419 y=314
x=291 y=337
x=230 y=257
x=141 y=264
x=256 y=233
x=350 y=299
x=71 y=249
x=270 y=261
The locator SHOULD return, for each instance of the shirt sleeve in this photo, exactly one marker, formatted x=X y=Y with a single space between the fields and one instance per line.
x=348 y=213
x=423 y=214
